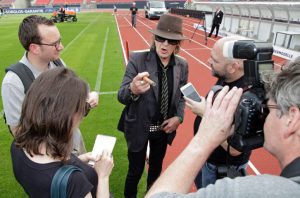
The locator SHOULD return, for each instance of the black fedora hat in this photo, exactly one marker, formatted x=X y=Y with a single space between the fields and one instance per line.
x=169 y=27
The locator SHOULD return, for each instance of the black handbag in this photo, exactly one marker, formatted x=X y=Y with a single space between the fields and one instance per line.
x=60 y=181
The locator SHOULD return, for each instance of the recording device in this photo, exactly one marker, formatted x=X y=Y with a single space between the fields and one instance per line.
x=249 y=118
x=189 y=91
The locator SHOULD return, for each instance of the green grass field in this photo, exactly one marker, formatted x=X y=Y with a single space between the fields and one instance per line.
x=94 y=36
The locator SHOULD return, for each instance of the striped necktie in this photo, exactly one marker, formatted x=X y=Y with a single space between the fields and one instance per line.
x=164 y=94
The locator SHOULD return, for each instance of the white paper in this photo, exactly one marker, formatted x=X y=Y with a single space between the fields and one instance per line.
x=102 y=142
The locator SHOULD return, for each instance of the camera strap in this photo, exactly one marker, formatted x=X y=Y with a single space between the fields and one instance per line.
x=228 y=171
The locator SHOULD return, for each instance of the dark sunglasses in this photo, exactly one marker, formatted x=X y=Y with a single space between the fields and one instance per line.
x=170 y=41
x=87 y=109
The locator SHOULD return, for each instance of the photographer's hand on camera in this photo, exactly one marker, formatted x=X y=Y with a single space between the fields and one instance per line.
x=197 y=108
x=218 y=116
x=138 y=85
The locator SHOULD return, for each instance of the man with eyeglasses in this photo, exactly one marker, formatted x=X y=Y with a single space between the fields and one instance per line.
x=152 y=113
x=282 y=140
x=42 y=41
x=220 y=163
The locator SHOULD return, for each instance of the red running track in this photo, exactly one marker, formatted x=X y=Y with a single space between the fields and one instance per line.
x=197 y=54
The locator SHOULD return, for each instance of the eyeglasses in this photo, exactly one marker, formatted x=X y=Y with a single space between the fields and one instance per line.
x=87 y=109
x=265 y=109
x=56 y=44
x=170 y=41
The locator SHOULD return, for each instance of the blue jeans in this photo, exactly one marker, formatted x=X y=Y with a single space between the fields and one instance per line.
x=208 y=174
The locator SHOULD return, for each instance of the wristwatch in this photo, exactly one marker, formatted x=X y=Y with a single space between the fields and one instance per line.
x=133 y=96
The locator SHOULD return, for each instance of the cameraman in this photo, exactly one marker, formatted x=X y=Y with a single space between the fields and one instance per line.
x=282 y=140
x=229 y=72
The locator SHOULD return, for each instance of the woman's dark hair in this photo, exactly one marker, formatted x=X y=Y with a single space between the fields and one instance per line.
x=48 y=112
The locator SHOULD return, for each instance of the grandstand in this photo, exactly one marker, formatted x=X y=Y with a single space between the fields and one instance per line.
x=6 y=3
x=60 y=2
x=42 y=2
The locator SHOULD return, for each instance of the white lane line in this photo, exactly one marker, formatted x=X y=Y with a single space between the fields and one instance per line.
x=100 y=68
x=138 y=33
x=121 y=41
x=78 y=35
x=108 y=93
x=254 y=168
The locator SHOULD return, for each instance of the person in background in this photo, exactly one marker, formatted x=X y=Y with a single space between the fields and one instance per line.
x=62 y=12
x=281 y=135
x=133 y=9
x=115 y=10
x=230 y=72
x=42 y=41
x=217 y=20
x=43 y=138
x=152 y=113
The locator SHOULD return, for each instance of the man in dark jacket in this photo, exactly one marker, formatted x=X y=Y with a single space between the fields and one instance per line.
x=133 y=10
x=152 y=113
x=217 y=20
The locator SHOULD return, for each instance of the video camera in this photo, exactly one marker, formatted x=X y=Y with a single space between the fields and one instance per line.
x=249 y=118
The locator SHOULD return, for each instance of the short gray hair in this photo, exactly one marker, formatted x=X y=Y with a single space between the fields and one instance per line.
x=285 y=87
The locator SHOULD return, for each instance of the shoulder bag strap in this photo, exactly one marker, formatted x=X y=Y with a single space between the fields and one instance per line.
x=24 y=73
x=60 y=181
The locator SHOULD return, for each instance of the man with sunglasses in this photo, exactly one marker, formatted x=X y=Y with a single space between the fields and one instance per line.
x=42 y=41
x=282 y=140
x=152 y=113
x=220 y=163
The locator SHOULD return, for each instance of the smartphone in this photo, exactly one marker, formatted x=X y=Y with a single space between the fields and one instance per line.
x=189 y=91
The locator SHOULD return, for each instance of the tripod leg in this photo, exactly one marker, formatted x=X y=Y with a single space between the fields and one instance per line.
x=205 y=33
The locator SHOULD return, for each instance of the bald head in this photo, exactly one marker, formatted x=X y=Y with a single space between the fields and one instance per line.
x=228 y=69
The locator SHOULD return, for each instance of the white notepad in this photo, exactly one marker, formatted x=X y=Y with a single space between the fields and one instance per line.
x=102 y=142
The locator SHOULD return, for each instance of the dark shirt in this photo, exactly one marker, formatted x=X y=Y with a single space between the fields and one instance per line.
x=170 y=81
x=133 y=10
x=219 y=155
x=36 y=178
x=292 y=169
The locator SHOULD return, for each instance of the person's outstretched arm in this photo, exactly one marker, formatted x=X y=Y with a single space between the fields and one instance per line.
x=214 y=129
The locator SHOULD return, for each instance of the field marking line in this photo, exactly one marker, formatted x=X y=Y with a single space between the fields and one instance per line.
x=107 y=93
x=196 y=48
x=121 y=40
x=100 y=68
x=138 y=33
x=79 y=35
x=253 y=168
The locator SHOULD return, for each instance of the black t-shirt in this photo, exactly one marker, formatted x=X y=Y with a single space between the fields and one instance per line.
x=36 y=178
x=219 y=155
x=133 y=10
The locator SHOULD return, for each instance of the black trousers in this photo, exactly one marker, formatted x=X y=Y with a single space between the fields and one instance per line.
x=158 y=147
x=217 y=26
